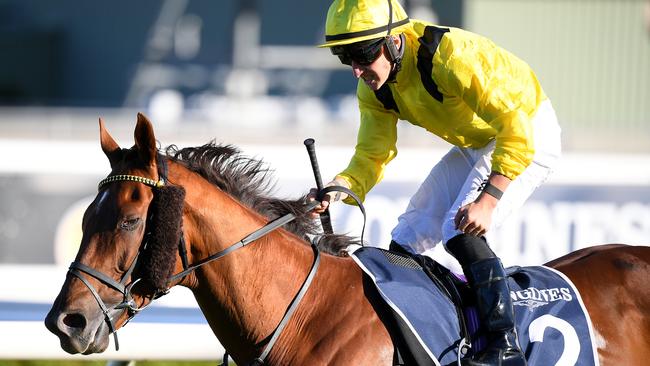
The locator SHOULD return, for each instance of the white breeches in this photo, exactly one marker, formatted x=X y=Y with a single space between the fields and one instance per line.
x=455 y=180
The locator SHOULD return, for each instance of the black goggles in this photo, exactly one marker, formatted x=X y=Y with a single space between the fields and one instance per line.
x=363 y=53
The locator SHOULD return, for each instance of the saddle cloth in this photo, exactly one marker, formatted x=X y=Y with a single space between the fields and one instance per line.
x=552 y=323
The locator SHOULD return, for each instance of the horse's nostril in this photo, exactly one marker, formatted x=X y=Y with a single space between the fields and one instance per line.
x=75 y=321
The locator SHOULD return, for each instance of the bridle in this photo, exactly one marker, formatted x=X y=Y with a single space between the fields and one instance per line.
x=128 y=303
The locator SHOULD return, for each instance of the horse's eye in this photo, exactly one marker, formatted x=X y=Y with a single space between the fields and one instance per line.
x=129 y=224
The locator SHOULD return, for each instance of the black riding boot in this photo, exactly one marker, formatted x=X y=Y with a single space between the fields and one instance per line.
x=488 y=280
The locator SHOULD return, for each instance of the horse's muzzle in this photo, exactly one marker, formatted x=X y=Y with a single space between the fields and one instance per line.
x=76 y=332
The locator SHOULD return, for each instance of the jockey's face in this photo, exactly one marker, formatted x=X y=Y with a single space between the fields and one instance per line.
x=369 y=60
x=374 y=74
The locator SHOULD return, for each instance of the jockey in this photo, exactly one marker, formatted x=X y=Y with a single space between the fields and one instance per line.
x=481 y=99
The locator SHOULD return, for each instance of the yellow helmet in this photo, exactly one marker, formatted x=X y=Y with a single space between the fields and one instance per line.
x=350 y=21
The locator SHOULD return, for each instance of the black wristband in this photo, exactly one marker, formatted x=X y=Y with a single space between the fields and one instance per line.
x=492 y=190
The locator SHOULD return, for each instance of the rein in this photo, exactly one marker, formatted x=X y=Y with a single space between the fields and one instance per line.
x=280 y=221
x=128 y=303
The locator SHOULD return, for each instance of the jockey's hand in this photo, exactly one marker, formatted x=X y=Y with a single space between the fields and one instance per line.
x=329 y=198
x=475 y=218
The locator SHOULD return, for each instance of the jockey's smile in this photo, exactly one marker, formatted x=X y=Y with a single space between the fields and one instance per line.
x=377 y=72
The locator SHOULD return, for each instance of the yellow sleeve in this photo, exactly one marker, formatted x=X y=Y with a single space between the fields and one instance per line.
x=375 y=147
x=500 y=88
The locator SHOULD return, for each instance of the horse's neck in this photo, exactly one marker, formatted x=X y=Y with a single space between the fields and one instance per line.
x=244 y=294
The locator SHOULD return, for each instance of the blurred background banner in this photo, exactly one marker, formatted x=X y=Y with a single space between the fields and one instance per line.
x=247 y=72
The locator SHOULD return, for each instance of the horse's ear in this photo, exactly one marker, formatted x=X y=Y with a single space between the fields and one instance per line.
x=109 y=146
x=145 y=141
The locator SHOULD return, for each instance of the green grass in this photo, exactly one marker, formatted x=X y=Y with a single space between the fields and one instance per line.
x=103 y=363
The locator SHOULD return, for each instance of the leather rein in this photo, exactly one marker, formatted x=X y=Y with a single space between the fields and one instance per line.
x=78 y=269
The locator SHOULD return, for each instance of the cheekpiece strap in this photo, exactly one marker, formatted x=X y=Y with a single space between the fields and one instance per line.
x=163 y=169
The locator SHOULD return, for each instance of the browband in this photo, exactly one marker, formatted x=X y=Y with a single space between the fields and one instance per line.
x=162 y=173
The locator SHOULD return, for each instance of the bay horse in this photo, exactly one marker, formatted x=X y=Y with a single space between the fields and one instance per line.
x=220 y=198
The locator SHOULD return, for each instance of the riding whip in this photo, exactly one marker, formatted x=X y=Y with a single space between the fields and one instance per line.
x=325 y=220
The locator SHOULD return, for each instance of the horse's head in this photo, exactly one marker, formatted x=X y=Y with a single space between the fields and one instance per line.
x=133 y=214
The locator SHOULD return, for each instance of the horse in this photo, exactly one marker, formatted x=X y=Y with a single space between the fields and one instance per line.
x=133 y=241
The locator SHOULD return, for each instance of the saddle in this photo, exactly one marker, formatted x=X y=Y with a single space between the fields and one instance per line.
x=430 y=314
x=408 y=348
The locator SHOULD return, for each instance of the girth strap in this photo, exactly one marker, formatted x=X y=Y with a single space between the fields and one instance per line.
x=292 y=308
x=296 y=300
x=259 y=361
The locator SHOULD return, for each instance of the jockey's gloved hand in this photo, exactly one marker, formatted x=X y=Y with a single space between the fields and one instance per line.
x=329 y=198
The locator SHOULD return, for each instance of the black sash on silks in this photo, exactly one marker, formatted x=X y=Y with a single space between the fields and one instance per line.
x=552 y=323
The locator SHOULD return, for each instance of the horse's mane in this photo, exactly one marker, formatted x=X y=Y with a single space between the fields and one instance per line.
x=250 y=181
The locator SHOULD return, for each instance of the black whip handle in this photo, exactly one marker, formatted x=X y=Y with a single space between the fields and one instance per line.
x=325 y=216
